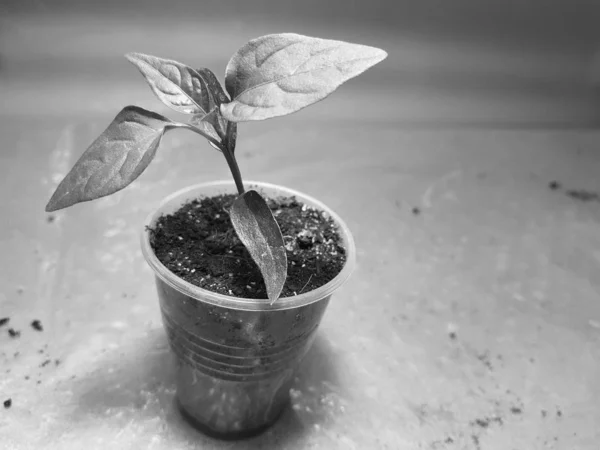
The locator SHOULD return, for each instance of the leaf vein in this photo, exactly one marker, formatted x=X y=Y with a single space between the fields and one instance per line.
x=283 y=77
x=312 y=55
x=178 y=88
x=271 y=54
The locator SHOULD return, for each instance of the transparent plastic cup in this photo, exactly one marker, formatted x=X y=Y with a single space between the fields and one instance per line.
x=237 y=357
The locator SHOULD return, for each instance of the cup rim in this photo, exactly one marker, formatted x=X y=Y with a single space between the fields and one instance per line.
x=239 y=303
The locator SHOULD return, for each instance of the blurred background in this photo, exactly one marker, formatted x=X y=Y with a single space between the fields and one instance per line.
x=459 y=63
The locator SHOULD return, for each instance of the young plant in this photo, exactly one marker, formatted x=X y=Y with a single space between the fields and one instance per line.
x=270 y=76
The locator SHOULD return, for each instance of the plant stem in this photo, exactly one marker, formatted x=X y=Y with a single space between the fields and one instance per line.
x=229 y=136
x=235 y=170
x=228 y=152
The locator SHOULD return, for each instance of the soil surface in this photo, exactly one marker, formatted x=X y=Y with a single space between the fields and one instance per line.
x=198 y=243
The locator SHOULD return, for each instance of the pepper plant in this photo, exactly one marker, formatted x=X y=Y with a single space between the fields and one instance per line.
x=270 y=76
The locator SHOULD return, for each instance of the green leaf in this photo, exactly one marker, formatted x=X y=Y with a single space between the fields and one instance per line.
x=116 y=158
x=279 y=74
x=176 y=85
x=259 y=232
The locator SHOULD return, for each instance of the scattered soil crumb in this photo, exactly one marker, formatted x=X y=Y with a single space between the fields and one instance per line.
x=516 y=410
x=13 y=333
x=485 y=359
x=559 y=413
x=583 y=195
x=475 y=439
x=37 y=325
x=544 y=412
x=577 y=194
x=45 y=363
x=50 y=218
x=449 y=440
x=8 y=403
x=416 y=211
x=4 y=321
x=452 y=335
x=554 y=185
x=484 y=422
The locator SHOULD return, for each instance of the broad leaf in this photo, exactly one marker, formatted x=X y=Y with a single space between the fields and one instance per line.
x=176 y=85
x=279 y=74
x=259 y=232
x=116 y=158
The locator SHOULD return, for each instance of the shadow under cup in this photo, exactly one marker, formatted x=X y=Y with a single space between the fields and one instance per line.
x=237 y=357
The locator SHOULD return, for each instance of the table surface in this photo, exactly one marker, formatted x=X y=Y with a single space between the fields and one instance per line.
x=474 y=324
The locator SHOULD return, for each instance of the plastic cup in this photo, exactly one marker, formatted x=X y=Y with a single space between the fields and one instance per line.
x=237 y=357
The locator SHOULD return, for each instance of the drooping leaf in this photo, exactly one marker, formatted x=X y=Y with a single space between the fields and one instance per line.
x=279 y=74
x=116 y=158
x=176 y=85
x=259 y=232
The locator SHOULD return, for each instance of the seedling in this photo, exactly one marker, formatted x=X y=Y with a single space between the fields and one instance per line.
x=270 y=76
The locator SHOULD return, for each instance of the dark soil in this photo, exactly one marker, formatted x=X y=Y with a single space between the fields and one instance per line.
x=7 y=403
x=37 y=325
x=4 y=321
x=198 y=244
